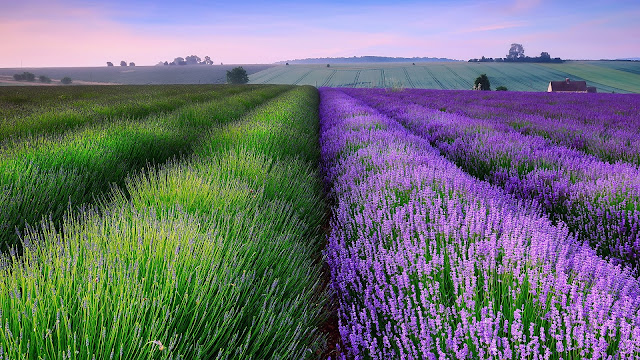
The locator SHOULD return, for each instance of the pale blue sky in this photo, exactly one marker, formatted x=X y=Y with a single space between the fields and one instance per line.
x=89 y=33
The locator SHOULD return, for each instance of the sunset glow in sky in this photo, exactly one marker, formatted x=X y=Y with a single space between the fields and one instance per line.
x=39 y=33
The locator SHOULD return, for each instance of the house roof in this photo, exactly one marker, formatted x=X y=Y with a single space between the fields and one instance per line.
x=568 y=85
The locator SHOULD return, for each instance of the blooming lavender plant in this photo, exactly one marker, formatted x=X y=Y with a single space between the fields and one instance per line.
x=599 y=201
x=429 y=262
x=603 y=125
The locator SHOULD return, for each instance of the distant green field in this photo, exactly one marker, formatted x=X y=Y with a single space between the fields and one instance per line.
x=138 y=75
x=606 y=76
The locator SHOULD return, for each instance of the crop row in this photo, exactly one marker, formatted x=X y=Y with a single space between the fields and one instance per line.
x=599 y=201
x=136 y=103
x=429 y=262
x=211 y=257
x=45 y=176
x=603 y=125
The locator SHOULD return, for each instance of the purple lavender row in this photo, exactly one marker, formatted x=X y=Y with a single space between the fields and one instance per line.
x=615 y=110
x=604 y=125
x=599 y=201
x=431 y=263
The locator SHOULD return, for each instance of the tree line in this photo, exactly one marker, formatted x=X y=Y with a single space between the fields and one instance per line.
x=122 y=63
x=189 y=60
x=27 y=76
x=516 y=54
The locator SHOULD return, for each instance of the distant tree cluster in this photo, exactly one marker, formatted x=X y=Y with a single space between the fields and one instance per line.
x=189 y=60
x=516 y=54
x=122 y=63
x=27 y=76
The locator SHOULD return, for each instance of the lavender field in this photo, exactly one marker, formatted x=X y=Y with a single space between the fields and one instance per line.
x=483 y=225
x=287 y=222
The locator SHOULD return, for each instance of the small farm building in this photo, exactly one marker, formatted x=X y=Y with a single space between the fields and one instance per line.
x=570 y=86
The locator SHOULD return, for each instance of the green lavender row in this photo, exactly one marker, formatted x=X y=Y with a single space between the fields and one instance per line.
x=207 y=258
x=46 y=176
x=131 y=104
x=22 y=101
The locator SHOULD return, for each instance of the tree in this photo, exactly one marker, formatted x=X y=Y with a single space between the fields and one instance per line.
x=516 y=52
x=166 y=63
x=545 y=56
x=237 y=75
x=25 y=76
x=123 y=63
x=66 y=80
x=207 y=61
x=109 y=63
x=482 y=83
x=179 y=61
x=44 y=79
x=132 y=64
x=501 y=88
x=192 y=60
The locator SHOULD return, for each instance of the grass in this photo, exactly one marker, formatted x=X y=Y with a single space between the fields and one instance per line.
x=210 y=257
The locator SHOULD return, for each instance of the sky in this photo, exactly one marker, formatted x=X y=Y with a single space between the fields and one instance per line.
x=53 y=33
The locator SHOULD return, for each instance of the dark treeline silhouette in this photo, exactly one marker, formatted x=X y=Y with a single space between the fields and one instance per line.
x=516 y=54
x=189 y=60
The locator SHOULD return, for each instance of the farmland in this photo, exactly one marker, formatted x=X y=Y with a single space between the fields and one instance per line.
x=137 y=75
x=269 y=221
x=607 y=76
x=449 y=237
x=192 y=233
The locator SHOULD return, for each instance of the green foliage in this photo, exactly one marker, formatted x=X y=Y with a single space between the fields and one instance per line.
x=44 y=79
x=482 y=83
x=237 y=75
x=501 y=88
x=204 y=258
x=66 y=80
x=43 y=176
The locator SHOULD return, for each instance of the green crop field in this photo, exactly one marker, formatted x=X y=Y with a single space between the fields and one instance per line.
x=606 y=76
x=164 y=222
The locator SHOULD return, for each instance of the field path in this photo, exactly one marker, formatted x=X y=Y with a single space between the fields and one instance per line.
x=406 y=73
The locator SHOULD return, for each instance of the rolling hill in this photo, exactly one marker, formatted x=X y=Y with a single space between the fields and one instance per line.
x=138 y=75
x=606 y=76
